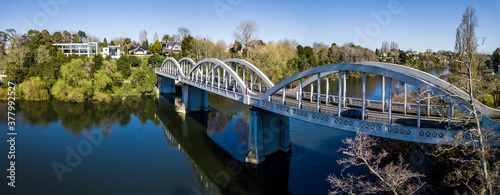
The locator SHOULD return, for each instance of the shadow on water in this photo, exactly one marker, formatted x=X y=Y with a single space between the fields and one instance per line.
x=215 y=168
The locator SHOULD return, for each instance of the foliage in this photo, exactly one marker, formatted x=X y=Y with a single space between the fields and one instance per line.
x=156 y=48
x=74 y=84
x=155 y=60
x=143 y=80
x=134 y=61
x=98 y=61
x=123 y=65
x=33 y=89
x=187 y=45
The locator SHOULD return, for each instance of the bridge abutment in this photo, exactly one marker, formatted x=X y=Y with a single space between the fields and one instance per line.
x=194 y=99
x=268 y=133
x=166 y=85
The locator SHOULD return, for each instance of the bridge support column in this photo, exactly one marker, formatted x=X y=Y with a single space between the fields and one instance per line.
x=260 y=86
x=383 y=93
x=344 y=88
x=166 y=85
x=312 y=91
x=268 y=133
x=251 y=81
x=405 y=90
x=339 y=105
x=300 y=94
x=418 y=108
x=318 y=100
x=390 y=101
x=283 y=96
x=194 y=99
x=428 y=104
x=364 y=97
x=327 y=89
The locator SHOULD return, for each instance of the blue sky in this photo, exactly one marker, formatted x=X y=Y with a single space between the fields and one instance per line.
x=417 y=25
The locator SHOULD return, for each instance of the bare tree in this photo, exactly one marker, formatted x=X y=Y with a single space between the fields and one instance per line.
x=393 y=178
x=143 y=36
x=246 y=32
x=476 y=166
x=385 y=47
x=155 y=37
x=183 y=32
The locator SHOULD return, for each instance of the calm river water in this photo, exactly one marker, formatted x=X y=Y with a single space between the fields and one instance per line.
x=142 y=145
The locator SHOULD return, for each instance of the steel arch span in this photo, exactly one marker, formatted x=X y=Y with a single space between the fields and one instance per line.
x=252 y=67
x=419 y=79
x=170 y=64
x=217 y=63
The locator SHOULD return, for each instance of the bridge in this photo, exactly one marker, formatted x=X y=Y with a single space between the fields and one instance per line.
x=273 y=104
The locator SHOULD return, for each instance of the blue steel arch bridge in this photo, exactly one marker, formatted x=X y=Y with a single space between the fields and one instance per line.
x=241 y=81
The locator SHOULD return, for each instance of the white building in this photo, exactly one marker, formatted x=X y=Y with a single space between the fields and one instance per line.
x=113 y=51
x=171 y=47
x=88 y=49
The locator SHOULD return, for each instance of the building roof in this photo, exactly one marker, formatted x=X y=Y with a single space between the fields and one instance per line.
x=137 y=48
x=488 y=70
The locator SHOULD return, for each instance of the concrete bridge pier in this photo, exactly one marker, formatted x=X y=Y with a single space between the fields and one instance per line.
x=166 y=85
x=194 y=99
x=268 y=133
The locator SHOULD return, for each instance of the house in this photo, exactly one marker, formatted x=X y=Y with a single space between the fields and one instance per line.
x=113 y=51
x=137 y=50
x=489 y=72
x=88 y=49
x=170 y=47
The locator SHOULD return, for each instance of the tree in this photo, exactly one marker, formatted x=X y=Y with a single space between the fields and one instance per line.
x=495 y=58
x=67 y=37
x=134 y=61
x=143 y=79
x=105 y=42
x=237 y=47
x=167 y=38
x=183 y=32
x=123 y=65
x=143 y=37
x=76 y=38
x=155 y=37
x=245 y=32
x=82 y=36
x=393 y=178
x=104 y=79
x=98 y=60
x=475 y=168
x=75 y=83
x=187 y=45
x=154 y=60
x=58 y=37
x=156 y=48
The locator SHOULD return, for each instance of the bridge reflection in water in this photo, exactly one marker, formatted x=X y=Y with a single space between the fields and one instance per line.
x=218 y=171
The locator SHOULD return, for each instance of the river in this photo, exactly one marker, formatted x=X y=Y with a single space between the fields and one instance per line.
x=142 y=145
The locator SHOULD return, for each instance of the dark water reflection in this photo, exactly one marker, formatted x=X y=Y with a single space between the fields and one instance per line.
x=149 y=148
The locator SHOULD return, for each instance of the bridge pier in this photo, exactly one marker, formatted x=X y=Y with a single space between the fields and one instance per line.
x=268 y=133
x=166 y=85
x=194 y=99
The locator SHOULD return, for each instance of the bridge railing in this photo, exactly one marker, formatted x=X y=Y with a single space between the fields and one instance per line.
x=329 y=118
x=435 y=110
